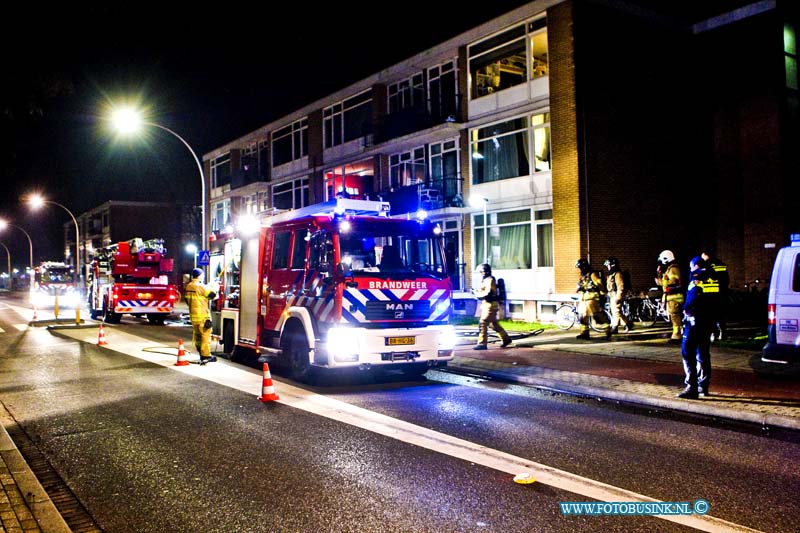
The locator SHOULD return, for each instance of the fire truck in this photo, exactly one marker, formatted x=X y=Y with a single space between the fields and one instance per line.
x=338 y=285
x=131 y=277
x=54 y=281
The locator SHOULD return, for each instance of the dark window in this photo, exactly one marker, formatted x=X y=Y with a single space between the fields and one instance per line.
x=299 y=253
x=280 y=252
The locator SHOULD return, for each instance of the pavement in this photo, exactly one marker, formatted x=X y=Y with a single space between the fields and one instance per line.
x=640 y=368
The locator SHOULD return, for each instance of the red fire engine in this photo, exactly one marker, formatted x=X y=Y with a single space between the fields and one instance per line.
x=131 y=277
x=338 y=285
x=54 y=281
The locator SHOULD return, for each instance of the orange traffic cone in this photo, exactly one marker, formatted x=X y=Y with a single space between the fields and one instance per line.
x=101 y=336
x=268 y=393
x=34 y=313
x=182 y=361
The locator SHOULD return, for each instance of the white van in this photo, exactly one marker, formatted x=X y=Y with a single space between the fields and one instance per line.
x=783 y=307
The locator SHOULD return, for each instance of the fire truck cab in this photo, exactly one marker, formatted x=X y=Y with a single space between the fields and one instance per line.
x=54 y=281
x=342 y=285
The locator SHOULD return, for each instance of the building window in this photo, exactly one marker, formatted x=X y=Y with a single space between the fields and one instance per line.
x=545 y=250
x=501 y=151
x=541 y=142
x=443 y=90
x=220 y=215
x=790 y=55
x=513 y=237
x=505 y=60
x=537 y=36
x=221 y=170
x=290 y=143
x=292 y=194
x=445 y=171
x=407 y=94
x=407 y=168
x=348 y=120
x=354 y=180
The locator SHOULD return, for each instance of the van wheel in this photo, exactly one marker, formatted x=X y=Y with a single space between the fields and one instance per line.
x=297 y=351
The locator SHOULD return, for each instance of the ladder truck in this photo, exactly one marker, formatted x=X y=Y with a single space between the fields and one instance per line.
x=338 y=285
x=131 y=277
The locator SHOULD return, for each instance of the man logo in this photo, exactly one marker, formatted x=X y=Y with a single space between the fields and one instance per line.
x=399 y=306
x=399 y=314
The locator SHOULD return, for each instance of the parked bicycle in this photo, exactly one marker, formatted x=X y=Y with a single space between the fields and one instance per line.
x=649 y=309
x=567 y=316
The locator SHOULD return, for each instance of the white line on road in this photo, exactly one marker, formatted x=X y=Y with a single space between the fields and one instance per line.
x=250 y=381
x=21 y=327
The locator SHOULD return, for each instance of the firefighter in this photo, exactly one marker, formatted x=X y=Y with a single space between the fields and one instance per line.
x=489 y=298
x=672 y=285
x=616 y=287
x=198 y=296
x=590 y=306
x=699 y=317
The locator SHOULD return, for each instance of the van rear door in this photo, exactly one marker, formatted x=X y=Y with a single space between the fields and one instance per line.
x=783 y=339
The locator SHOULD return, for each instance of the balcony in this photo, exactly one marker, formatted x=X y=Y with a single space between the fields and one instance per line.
x=429 y=195
x=417 y=118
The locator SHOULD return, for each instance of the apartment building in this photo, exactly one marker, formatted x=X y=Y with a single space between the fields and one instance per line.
x=564 y=129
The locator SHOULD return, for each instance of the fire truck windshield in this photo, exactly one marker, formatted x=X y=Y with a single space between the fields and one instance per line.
x=56 y=275
x=410 y=254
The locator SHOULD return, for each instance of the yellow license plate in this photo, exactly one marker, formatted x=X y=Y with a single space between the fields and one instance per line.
x=399 y=341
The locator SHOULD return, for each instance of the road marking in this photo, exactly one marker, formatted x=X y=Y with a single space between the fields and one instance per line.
x=21 y=327
x=250 y=381
x=2 y=330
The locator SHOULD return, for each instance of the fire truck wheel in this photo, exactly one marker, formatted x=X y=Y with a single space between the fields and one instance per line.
x=94 y=314
x=112 y=318
x=227 y=337
x=157 y=320
x=297 y=348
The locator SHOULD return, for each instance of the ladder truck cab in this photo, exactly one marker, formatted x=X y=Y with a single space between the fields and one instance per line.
x=131 y=277
x=342 y=285
x=54 y=280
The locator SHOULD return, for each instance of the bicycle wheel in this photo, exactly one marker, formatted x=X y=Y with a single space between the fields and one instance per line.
x=566 y=316
x=648 y=313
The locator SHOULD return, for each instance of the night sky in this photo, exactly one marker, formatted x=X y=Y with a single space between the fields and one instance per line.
x=211 y=76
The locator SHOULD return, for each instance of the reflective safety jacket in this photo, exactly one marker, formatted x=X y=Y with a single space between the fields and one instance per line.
x=672 y=284
x=197 y=296
x=488 y=290
x=702 y=296
x=590 y=286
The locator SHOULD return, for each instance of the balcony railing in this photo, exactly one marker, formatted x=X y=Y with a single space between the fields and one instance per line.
x=429 y=195
x=410 y=120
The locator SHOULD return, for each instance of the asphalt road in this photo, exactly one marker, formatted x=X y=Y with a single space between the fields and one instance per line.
x=147 y=448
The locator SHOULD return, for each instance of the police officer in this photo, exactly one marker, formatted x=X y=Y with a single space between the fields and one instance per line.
x=591 y=290
x=672 y=285
x=488 y=296
x=720 y=270
x=615 y=285
x=699 y=319
x=198 y=295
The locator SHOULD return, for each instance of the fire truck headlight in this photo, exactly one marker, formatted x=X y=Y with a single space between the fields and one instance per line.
x=70 y=299
x=447 y=338
x=342 y=344
x=38 y=299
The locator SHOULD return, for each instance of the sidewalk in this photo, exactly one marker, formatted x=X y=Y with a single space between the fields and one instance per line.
x=639 y=368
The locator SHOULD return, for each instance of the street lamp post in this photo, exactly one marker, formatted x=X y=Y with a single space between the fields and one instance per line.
x=192 y=249
x=128 y=120
x=36 y=202
x=9 y=259
x=3 y=225
x=481 y=201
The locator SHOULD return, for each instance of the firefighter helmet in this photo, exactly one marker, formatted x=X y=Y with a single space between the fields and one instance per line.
x=583 y=265
x=611 y=263
x=666 y=257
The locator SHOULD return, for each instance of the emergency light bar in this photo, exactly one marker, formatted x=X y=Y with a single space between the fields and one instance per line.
x=339 y=206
